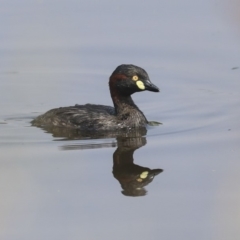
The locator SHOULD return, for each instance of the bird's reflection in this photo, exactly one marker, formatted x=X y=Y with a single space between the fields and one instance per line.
x=132 y=178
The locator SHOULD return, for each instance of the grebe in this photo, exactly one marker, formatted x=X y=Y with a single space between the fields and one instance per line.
x=124 y=81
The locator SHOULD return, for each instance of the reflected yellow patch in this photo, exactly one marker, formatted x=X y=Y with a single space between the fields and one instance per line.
x=139 y=180
x=144 y=175
x=140 y=85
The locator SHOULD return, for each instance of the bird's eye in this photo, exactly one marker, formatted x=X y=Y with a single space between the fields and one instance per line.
x=135 y=78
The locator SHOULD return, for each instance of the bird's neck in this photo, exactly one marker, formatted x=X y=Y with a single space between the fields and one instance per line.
x=122 y=103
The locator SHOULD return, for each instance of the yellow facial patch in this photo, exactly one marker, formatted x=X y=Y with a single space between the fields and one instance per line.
x=143 y=175
x=140 y=85
x=135 y=78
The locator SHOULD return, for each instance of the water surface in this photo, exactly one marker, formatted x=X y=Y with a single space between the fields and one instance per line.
x=59 y=53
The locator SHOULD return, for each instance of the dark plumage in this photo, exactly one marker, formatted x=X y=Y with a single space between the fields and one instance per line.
x=124 y=81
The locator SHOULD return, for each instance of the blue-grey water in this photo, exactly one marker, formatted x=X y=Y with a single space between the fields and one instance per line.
x=59 y=53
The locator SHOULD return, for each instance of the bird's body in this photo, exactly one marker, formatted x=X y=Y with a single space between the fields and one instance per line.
x=124 y=81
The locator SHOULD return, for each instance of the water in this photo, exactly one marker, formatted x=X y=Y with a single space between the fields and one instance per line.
x=60 y=53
